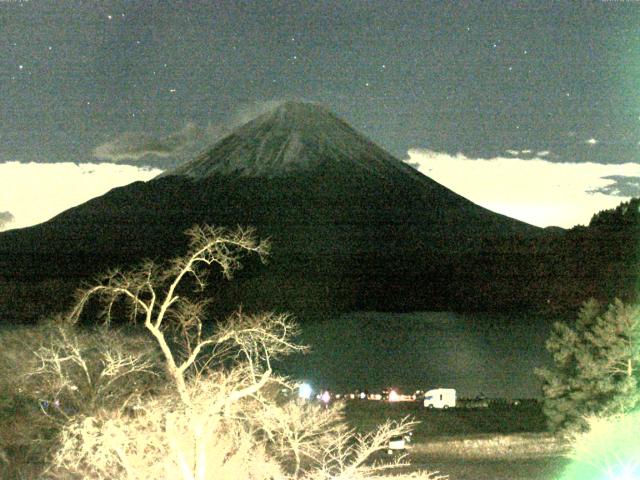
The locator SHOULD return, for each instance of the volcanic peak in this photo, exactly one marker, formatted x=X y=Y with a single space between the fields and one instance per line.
x=294 y=136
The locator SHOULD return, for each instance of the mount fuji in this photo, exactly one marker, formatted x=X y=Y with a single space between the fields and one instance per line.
x=351 y=226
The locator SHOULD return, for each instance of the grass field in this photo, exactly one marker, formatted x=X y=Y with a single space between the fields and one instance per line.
x=500 y=442
x=498 y=418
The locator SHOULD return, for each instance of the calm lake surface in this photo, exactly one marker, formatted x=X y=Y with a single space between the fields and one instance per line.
x=490 y=354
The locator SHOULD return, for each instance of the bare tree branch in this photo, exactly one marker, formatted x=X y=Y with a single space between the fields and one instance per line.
x=153 y=291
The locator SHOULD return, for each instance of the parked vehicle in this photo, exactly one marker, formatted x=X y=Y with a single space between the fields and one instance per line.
x=398 y=443
x=440 y=398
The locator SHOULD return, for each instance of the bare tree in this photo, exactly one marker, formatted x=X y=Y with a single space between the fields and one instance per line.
x=226 y=418
x=153 y=295
x=349 y=455
x=300 y=432
x=80 y=372
x=53 y=373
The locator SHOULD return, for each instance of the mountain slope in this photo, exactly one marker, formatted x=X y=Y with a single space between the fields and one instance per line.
x=352 y=227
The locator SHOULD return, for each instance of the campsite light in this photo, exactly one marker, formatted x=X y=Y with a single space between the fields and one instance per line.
x=393 y=396
x=326 y=396
x=305 y=391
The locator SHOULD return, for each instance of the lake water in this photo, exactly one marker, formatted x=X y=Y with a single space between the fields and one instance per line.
x=490 y=354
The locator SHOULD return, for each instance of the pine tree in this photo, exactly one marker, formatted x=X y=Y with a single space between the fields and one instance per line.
x=596 y=366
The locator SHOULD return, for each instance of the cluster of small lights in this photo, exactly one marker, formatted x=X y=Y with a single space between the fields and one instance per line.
x=306 y=392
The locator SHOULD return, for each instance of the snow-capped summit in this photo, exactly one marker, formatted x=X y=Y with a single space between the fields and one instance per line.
x=295 y=136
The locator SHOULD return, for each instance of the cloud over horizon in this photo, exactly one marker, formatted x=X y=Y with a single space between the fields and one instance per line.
x=536 y=190
x=5 y=219
x=621 y=186
x=134 y=146
x=183 y=145
x=35 y=192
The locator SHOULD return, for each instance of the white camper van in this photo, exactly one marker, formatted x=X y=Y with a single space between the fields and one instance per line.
x=440 y=398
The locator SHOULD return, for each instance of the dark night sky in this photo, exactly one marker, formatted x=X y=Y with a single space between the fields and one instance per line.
x=472 y=76
x=153 y=82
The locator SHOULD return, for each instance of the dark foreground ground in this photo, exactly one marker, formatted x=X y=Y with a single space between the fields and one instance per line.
x=499 y=442
x=543 y=468
x=497 y=417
